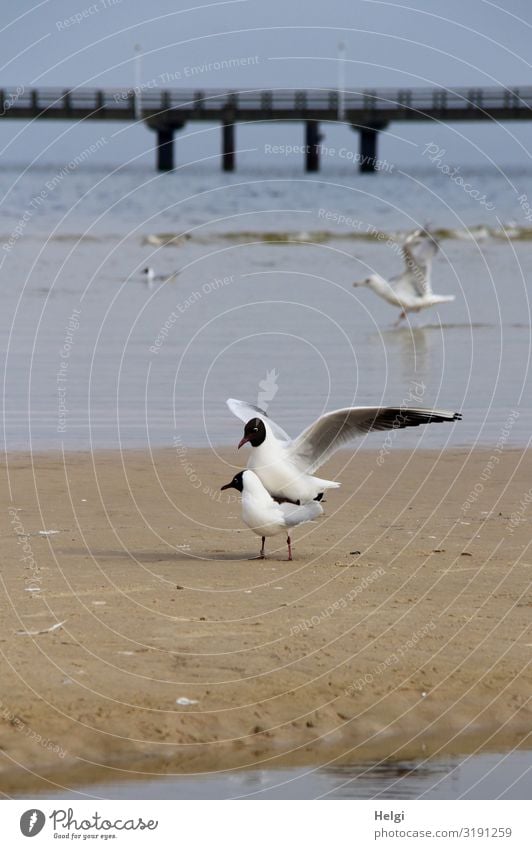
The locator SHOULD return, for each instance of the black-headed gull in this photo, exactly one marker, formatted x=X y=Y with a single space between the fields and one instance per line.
x=286 y=466
x=411 y=291
x=265 y=516
x=151 y=277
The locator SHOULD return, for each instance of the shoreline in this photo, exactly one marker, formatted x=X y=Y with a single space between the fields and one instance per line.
x=416 y=644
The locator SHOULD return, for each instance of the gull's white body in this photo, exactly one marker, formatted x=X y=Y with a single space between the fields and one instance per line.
x=281 y=474
x=402 y=296
x=411 y=291
x=264 y=516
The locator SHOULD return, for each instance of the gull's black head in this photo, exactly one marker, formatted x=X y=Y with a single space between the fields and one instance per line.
x=254 y=433
x=236 y=483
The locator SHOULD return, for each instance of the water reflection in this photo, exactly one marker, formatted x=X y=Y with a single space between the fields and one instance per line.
x=409 y=350
x=483 y=776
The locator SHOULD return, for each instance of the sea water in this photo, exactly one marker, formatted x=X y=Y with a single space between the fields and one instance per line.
x=263 y=307
x=484 y=775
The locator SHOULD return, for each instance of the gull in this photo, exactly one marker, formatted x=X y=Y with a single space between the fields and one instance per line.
x=286 y=466
x=411 y=291
x=151 y=277
x=265 y=516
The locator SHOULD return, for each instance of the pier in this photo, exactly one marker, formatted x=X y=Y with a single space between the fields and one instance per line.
x=368 y=112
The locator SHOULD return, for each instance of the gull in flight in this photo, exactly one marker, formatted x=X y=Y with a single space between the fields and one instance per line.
x=286 y=466
x=411 y=291
x=265 y=516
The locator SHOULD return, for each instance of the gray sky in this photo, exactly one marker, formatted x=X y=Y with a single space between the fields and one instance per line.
x=388 y=43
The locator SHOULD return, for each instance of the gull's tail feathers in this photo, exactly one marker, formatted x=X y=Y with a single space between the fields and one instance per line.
x=298 y=515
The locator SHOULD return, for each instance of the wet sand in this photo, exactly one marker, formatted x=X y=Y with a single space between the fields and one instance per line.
x=419 y=643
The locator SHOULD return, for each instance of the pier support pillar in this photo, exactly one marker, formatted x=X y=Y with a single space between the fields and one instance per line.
x=368 y=149
x=312 y=146
x=165 y=149
x=228 y=147
x=367 y=156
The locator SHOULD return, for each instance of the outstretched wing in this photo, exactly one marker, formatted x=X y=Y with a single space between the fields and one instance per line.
x=419 y=249
x=244 y=411
x=317 y=443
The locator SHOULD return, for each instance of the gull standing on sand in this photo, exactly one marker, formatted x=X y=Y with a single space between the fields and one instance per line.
x=286 y=466
x=265 y=516
x=411 y=291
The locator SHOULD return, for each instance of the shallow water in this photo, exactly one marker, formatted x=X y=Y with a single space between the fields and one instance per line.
x=95 y=358
x=483 y=776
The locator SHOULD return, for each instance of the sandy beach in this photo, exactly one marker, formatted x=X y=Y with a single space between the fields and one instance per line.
x=400 y=628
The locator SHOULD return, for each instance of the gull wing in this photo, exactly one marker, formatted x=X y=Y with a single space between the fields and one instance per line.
x=419 y=249
x=294 y=514
x=244 y=411
x=317 y=443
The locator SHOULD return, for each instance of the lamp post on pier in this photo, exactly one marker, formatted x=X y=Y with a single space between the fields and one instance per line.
x=341 y=80
x=137 y=97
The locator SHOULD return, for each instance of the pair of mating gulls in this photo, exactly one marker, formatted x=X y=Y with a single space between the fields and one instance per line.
x=411 y=291
x=279 y=488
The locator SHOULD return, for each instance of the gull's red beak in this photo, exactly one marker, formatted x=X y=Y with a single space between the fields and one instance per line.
x=243 y=441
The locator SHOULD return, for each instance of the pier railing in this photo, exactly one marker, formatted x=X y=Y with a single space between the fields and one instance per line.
x=387 y=103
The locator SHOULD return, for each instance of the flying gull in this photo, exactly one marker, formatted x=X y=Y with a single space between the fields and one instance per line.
x=411 y=291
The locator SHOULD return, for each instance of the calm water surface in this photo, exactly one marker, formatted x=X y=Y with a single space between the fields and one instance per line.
x=95 y=358
x=483 y=776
